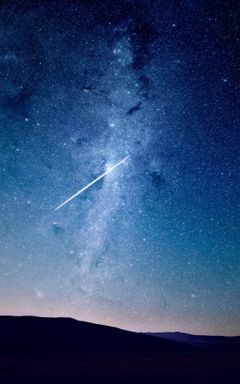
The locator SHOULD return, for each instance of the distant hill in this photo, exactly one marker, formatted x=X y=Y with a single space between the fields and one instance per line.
x=27 y=335
x=62 y=350
x=230 y=343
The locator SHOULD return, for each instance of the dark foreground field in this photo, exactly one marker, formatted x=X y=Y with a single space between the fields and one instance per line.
x=39 y=350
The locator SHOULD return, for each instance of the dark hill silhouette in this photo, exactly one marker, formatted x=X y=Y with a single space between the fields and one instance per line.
x=221 y=343
x=28 y=335
x=62 y=350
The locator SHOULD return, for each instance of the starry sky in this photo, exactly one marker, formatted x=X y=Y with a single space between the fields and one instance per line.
x=154 y=245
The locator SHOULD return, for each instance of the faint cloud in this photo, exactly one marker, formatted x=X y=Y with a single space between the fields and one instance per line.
x=39 y=293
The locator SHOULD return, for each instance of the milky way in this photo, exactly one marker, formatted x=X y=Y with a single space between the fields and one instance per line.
x=153 y=245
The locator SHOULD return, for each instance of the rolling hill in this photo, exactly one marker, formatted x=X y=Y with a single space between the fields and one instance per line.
x=63 y=350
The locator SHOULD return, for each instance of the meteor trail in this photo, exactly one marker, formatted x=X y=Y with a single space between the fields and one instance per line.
x=90 y=184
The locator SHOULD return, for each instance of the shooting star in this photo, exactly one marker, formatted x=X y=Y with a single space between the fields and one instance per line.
x=90 y=184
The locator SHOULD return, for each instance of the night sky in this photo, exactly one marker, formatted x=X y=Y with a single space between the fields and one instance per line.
x=154 y=245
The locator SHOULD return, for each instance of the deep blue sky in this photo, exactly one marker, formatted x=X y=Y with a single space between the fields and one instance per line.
x=154 y=245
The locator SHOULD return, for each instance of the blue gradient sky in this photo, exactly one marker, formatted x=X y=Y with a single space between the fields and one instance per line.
x=154 y=245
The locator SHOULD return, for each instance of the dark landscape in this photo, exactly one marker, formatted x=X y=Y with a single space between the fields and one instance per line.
x=40 y=350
